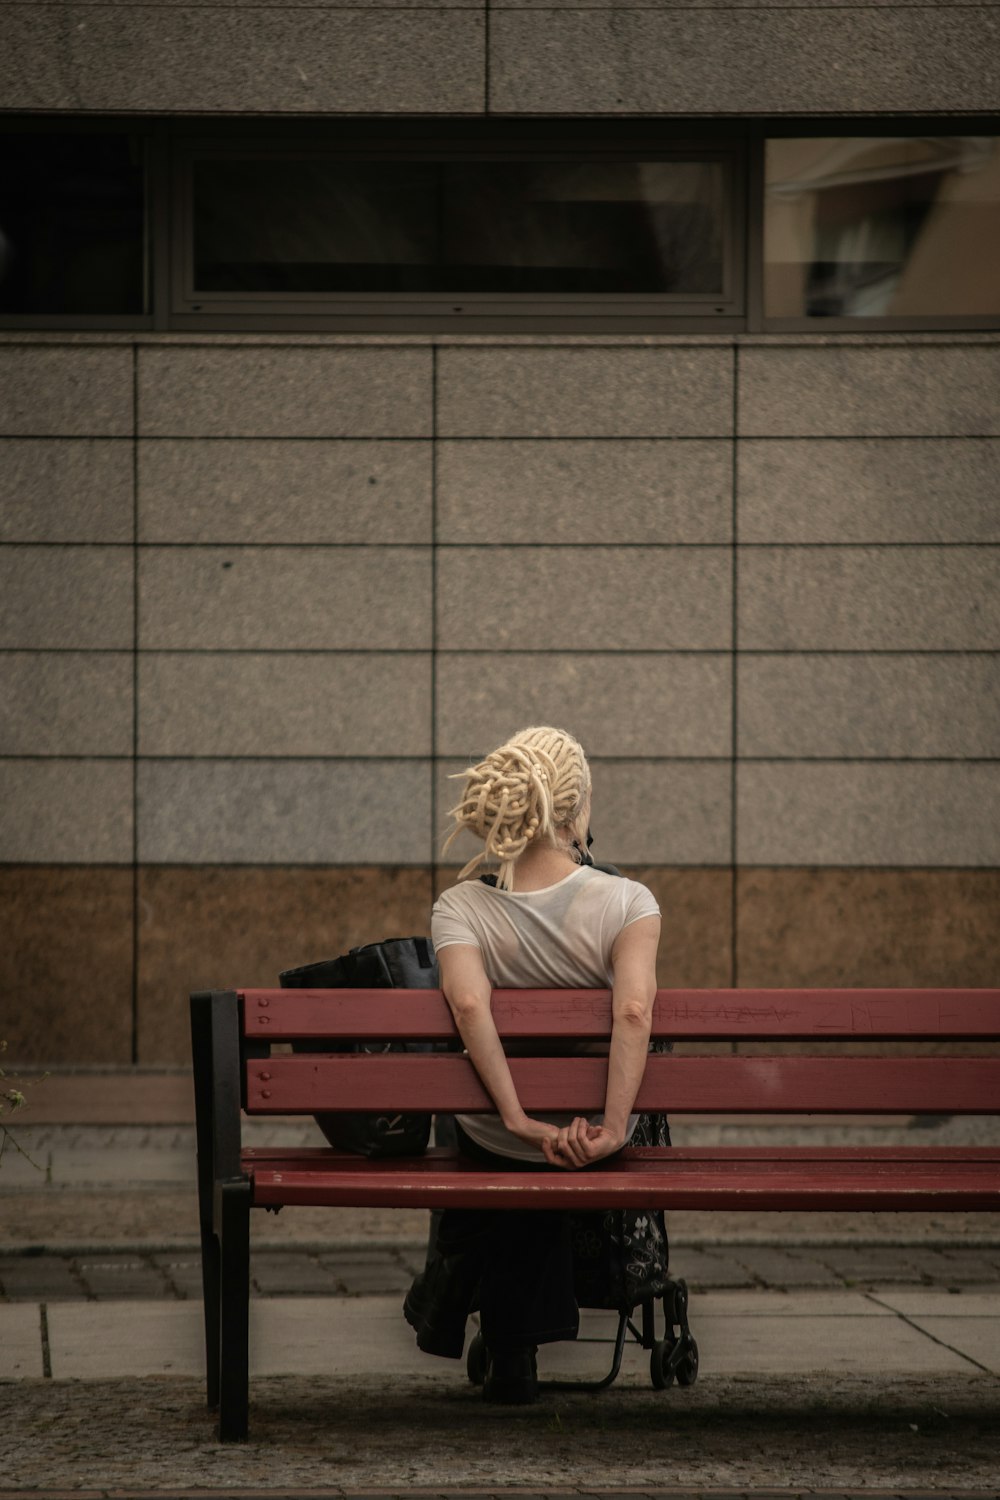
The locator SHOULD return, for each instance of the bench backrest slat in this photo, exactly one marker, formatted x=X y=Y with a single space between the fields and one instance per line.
x=680 y=1085
x=794 y=1015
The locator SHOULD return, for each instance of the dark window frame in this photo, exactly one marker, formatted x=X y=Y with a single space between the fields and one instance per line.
x=170 y=140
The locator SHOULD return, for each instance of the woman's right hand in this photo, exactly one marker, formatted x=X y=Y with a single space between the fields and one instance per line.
x=580 y=1144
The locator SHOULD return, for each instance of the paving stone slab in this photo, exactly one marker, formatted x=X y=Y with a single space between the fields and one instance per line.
x=881 y=1262
x=783 y=1267
x=20 y=1342
x=811 y=1345
x=709 y=1267
x=936 y=1301
x=183 y=1274
x=121 y=1278
x=384 y=1284
x=976 y=1338
x=820 y=1303
x=946 y=1265
x=39 y=1278
x=101 y=1340
x=301 y=1274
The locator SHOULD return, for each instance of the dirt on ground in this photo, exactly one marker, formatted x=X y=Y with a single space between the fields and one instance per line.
x=837 y=1433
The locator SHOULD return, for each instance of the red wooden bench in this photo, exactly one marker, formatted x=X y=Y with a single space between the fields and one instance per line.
x=233 y=1034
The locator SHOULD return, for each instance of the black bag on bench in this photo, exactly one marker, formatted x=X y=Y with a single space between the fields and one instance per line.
x=395 y=963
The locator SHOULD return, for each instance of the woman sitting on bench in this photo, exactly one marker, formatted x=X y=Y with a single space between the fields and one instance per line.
x=549 y=919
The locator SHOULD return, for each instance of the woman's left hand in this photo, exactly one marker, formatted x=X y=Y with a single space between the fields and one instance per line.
x=581 y=1143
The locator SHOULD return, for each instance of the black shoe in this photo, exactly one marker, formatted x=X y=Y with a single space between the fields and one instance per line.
x=511 y=1376
x=436 y=1308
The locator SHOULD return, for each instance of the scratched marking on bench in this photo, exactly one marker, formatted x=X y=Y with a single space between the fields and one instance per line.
x=683 y=1012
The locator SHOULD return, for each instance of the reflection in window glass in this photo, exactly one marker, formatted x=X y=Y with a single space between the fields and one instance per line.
x=71 y=223
x=882 y=227
x=315 y=226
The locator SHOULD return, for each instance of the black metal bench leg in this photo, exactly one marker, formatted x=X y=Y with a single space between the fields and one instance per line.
x=202 y=1002
x=234 y=1350
x=210 y=1267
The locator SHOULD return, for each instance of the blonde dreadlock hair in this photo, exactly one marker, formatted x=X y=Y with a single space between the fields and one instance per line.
x=522 y=792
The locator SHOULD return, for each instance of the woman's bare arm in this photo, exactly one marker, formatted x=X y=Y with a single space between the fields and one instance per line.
x=633 y=961
x=467 y=989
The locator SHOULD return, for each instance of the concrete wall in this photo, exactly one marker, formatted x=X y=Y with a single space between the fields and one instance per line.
x=259 y=595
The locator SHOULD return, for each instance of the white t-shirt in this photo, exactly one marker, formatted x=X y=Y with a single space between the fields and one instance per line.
x=555 y=938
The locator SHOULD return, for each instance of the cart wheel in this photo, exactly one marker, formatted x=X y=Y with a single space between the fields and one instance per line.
x=687 y=1370
x=475 y=1360
x=659 y=1372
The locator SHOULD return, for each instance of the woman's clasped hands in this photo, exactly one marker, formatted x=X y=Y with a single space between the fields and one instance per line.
x=575 y=1145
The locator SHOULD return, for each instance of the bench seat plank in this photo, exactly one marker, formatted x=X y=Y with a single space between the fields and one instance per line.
x=792 y=1015
x=680 y=1085
x=275 y=1157
x=665 y=1179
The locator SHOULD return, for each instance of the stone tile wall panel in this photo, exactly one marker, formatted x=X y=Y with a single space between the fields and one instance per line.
x=309 y=812
x=895 y=705
x=67 y=812
x=850 y=813
x=814 y=928
x=264 y=391
x=583 y=598
x=66 y=963
x=284 y=598
x=869 y=490
x=861 y=598
x=66 y=703
x=588 y=392
x=60 y=597
x=66 y=490
x=284 y=704
x=283 y=490
x=617 y=704
x=918 y=390
x=65 y=392
x=584 y=491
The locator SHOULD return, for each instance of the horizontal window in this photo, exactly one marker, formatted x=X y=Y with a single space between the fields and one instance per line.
x=317 y=226
x=882 y=227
